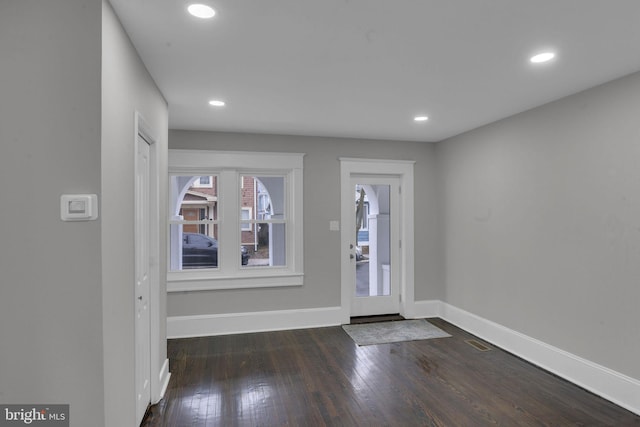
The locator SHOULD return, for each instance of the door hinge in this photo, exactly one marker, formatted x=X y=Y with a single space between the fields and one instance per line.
x=400 y=243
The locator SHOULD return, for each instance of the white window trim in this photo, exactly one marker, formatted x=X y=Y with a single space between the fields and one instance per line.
x=230 y=276
x=198 y=184
x=244 y=225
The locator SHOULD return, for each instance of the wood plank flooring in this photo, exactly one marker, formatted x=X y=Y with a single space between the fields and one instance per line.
x=318 y=377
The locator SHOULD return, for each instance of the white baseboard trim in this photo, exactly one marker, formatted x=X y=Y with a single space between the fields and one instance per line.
x=607 y=383
x=262 y=321
x=163 y=380
x=430 y=308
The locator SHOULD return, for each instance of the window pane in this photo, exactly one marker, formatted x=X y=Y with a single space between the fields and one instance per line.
x=269 y=247
x=246 y=216
x=199 y=251
x=203 y=182
x=195 y=244
x=263 y=196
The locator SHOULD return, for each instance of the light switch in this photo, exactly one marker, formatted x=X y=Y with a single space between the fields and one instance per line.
x=78 y=207
x=334 y=225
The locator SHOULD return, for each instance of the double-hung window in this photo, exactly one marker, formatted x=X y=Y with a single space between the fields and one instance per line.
x=235 y=220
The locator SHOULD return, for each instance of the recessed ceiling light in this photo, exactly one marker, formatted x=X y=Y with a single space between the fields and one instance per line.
x=542 y=57
x=421 y=118
x=201 y=11
x=216 y=103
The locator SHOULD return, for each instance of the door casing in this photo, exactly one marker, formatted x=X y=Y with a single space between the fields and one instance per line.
x=142 y=282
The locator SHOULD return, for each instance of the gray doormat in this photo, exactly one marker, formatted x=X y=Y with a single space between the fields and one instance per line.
x=388 y=332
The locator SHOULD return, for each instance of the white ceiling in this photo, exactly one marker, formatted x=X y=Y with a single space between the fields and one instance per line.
x=364 y=68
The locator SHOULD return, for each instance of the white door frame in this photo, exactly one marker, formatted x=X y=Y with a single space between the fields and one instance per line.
x=157 y=375
x=143 y=278
x=403 y=169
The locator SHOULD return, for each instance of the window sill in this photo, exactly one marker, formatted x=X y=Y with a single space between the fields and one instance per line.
x=188 y=282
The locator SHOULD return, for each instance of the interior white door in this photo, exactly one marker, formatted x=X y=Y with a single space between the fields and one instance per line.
x=375 y=246
x=142 y=280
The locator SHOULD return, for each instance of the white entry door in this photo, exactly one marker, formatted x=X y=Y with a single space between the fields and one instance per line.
x=397 y=176
x=375 y=255
x=142 y=280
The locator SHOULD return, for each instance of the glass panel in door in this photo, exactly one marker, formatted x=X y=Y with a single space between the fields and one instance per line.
x=373 y=257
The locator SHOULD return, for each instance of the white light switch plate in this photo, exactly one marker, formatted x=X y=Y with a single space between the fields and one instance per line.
x=334 y=225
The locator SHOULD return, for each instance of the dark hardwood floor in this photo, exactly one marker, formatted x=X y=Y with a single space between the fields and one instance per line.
x=317 y=377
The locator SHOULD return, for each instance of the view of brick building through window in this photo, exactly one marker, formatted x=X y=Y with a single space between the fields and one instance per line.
x=200 y=203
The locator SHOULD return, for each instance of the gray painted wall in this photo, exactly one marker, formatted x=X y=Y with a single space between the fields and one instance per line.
x=66 y=126
x=50 y=290
x=541 y=216
x=321 y=204
x=127 y=87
